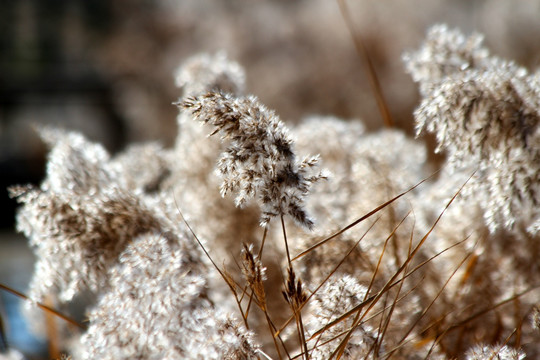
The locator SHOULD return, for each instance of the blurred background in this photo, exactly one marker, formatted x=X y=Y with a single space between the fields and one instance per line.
x=106 y=69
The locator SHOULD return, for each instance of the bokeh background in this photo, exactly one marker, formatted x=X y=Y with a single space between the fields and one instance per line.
x=106 y=68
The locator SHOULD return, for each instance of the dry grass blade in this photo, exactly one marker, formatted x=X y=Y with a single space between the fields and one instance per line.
x=231 y=283
x=52 y=334
x=265 y=233
x=44 y=307
x=341 y=348
x=271 y=327
x=516 y=332
x=338 y=335
x=319 y=341
x=424 y=312
x=341 y=318
x=383 y=251
x=368 y=63
x=344 y=332
x=505 y=342
x=286 y=243
x=519 y=322
x=460 y=324
x=469 y=269
x=371 y=298
x=331 y=272
x=479 y=313
x=384 y=327
x=227 y=279
x=376 y=344
x=359 y=220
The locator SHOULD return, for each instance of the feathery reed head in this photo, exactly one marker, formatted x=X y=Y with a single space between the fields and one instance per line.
x=259 y=160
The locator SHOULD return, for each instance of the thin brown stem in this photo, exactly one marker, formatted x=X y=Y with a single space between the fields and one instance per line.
x=228 y=279
x=341 y=348
x=53 y=336
x=359 y=220
x=371 y=298
x=286 y=243
x=43 y=306
x=276 y=345
x=361 y=49
x=424 y=312
x=331 y=272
